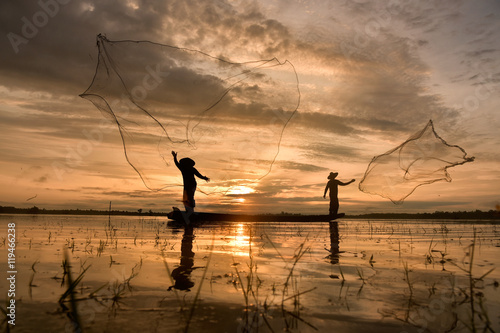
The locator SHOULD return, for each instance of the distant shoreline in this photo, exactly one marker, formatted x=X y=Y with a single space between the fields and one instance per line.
x=464 y=215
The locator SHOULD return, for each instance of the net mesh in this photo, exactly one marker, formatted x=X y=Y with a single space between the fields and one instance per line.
x=422 y=159
x=227 y=116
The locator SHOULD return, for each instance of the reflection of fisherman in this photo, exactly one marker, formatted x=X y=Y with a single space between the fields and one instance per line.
x=186 y=165
x=334 y=243
x=182 y=274
x=332 y=185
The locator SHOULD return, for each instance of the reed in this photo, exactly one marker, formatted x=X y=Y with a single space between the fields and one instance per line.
x=407 y=279
x=5 y=320
x=479 y=319
x=342 y=274
x=117 y=291
x=134 y=273
x=30 y=284
x=371 y=261
x=100 y=249
x=290 y=281
x=72 y=311
x=250 y=290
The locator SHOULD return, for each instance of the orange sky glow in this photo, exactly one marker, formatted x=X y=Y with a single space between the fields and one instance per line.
x=369 y=75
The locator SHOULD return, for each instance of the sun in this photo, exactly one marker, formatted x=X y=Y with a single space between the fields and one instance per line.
x=240 y=190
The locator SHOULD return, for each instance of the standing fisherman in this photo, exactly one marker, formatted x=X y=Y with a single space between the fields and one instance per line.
x=186 y=165
x=332 y=185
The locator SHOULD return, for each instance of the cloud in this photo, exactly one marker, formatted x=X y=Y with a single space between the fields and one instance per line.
x=332 y=152
x=290 y=165
x=383 y=79
x=42 y=179
x=367 y=72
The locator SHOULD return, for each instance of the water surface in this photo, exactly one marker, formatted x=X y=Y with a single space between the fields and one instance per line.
x=143 y=274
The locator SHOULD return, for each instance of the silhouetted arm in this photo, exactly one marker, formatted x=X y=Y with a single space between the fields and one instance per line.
x=199 y=175
x=344 y=184
x=326 y=190
x=175 y=159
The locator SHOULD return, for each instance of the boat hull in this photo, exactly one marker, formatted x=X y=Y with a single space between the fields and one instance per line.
x=183 y=217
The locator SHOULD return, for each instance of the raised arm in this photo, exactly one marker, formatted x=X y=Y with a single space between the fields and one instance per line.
x=175 y=159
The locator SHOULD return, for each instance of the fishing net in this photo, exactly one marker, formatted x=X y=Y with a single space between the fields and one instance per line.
x=422 y=159
x=228 y=117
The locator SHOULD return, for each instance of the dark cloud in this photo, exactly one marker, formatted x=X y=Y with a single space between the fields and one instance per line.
x=362 y=68
x=346 y=125
x=332 y=152
x=478 y=53
x=290 y=165
x=42 y=179
x=385 y=77
x=136 y=194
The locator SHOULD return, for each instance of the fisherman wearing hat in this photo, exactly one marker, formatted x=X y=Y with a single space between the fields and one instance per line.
x=332 y=185
x=186 y=166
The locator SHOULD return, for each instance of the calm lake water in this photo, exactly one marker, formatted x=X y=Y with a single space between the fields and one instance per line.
x=135 y=274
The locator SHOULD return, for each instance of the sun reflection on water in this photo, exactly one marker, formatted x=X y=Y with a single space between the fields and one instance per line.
x=240 y=242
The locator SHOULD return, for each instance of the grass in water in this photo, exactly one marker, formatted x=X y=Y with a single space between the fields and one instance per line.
x=479 y=319
x=290 y=291
x=72 y=310
x=30 y=284
x=250 y=291
x=5 y=319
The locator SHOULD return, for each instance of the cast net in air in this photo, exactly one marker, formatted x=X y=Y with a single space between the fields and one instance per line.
x=227 y=116
x=422 y=159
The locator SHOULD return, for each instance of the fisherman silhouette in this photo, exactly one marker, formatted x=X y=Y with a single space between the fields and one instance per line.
x=186 y=166
x=332 y=185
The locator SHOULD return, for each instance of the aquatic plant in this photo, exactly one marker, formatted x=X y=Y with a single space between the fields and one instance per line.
x=407 y=279
x=100 y=249
x=30 y=284
x=118 y=291
x=5 y=319
x=479 y=319
x=88 y=243
x=72 y=310
x=289 y=292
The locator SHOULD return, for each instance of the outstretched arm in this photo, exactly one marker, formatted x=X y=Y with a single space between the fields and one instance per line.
x=199 y=175
x=349 y=182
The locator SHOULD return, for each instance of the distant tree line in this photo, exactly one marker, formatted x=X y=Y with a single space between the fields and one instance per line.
x=36 y=210
x=460 y=215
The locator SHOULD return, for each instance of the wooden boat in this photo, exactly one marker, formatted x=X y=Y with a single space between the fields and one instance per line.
x=200 y=217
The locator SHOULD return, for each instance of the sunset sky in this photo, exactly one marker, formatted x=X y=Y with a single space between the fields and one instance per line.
x=370 y=75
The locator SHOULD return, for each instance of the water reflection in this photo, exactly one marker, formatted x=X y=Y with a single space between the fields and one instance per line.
x=182 y=274
x=287 y=280
x=240 y=242
x=334 y=243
